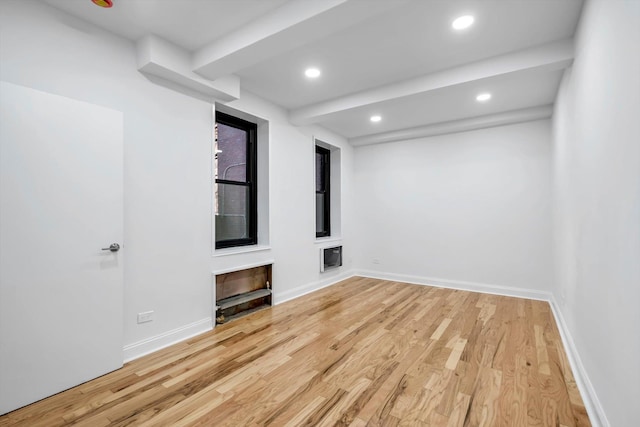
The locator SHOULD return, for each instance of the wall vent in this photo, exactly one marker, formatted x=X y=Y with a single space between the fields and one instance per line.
x=330 y=258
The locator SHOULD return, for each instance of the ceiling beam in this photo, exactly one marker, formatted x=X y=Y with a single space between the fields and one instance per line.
x=550 y=56
x=159 y=58
x=481 y=122
x=294 y=24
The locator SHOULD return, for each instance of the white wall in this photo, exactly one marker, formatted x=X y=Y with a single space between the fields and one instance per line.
x=596 y=182
x=467 y=208
x=167 y=247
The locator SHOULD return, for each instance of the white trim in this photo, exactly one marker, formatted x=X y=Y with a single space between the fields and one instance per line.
x=592 y=404
x=328 y=241
x=160 y=341
x=242 y=267
x=240 y=250
x=280 y=297
x=459 y=284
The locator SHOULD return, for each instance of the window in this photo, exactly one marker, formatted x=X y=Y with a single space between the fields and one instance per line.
x=323 y=195
x=236 y=190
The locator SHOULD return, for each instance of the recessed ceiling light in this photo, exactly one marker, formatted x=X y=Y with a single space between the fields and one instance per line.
x=483 y=97
x=375 y=118
x=462 y=22
x=312 y=73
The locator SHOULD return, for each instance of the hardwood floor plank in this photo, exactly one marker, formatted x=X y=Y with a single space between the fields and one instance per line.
x=301 y=416
x=322 y=411
x=456 y=352
x=459 y=411
x=512 y=401
x=190 y=409
x=338 y=414
x=483 y=409
x=380 y=396
x=383 y=413
x=361 y=352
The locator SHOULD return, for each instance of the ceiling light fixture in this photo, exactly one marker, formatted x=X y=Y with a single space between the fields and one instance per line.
x=462 y=22
x=375 y=118
x=312 y=73
x=483 y=97
x=103 y=3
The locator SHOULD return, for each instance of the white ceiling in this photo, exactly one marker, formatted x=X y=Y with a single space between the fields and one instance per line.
x=190 y=24
x=407 y=42
x=511 y=92
x=396 y=58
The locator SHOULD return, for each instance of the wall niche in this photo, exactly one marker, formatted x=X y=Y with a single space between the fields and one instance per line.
x=239 y=293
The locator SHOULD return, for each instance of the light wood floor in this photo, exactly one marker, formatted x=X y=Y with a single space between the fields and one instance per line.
x=362 y=352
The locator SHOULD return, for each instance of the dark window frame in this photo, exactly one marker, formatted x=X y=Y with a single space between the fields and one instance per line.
x=251 y=180
x=325 y=154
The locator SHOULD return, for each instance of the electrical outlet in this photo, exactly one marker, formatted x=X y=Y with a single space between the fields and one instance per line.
x=145 y=317
x=375 y=261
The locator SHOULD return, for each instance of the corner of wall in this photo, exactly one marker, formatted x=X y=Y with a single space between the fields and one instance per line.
x=158 y=342
x=587 y=391
x=485 y=288
x=280 y=297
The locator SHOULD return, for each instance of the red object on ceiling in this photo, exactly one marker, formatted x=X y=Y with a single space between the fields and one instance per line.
x=103 y=3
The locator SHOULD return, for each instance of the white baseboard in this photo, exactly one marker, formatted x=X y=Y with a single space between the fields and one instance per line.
x=590 y=398
x=280 y=297
x=459 y=284
x=158 y=342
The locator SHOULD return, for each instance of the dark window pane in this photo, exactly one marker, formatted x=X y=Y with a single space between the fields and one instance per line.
x=232 y=216
x=231 y=150
x=319 y=172
x=322 y=191
x=235 y=197
x=319 y=212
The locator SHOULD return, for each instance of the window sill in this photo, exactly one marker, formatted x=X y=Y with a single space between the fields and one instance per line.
x=240 y=250
x=328 y=240
x=242 y=267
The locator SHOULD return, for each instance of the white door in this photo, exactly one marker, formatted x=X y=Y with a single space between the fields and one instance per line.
x=61 y=296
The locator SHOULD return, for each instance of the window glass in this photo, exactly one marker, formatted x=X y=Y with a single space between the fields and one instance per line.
x=232 y=153
x=320 y=172
x=233 y=219
x=322 y=192
x=235 y=190
x=319 y=213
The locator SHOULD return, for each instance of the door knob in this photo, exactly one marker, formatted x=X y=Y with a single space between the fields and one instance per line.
x=114 y=247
